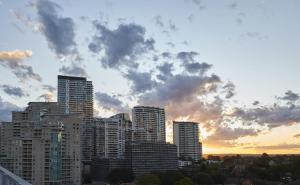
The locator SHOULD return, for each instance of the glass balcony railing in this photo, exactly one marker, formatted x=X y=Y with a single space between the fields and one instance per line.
x=8 y=178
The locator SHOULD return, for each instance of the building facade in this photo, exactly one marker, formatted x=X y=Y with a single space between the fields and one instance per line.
x=6 y=136
x=101 y=167
x=43 y=145
x=186 y=138
x=147 y=157
x=111 y=134
x=75 y=95
x=149 y=124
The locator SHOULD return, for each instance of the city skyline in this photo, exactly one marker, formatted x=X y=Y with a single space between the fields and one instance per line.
x=231 y=66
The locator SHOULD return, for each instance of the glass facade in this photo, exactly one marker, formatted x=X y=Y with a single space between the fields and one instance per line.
x=55 y=157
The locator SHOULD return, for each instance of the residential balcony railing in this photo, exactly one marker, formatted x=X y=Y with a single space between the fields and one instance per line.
x=8 y=178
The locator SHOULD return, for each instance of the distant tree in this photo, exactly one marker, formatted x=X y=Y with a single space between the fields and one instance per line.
x=265 y=157
x=148 y=179
x=219 y=178
x=214 y=157
x=169 y=177
x=202 y=178
x=184 y=181
x=120 y=175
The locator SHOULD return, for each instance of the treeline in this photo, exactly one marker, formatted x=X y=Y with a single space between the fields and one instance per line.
x=261 y=170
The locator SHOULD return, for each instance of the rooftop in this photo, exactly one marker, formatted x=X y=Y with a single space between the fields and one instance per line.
x=71 y=77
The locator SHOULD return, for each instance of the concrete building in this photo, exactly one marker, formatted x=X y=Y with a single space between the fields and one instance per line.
x=101 y=167
x=186 y=138
x=111 y=134
x=146 y=157
x=75 y=95
x=149 y=124
x=126 y=123
x=43 y=146
x=6 y=134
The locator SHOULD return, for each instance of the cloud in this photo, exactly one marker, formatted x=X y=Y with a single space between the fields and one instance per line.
x=199 y=3
x=185 y=43
x=18 y=28
x=182 y=94
x=172 y=26
x=225 y=136
x=240 y=18
x=209 y=114
x=73 y=69
x=165 y=71
x=48 y=97
x=179 y=95
x=290 y=96
x=166 y=55
x=226 y=133
x=196 y=67
x=5 y=110
x=158 y=21
x=169 y=26
x=255 y=102
x=122 y=46
x=233 y=5
x=26 y=20
x=189 y=63
x=171 y=44
x=16 y=55
x=297 y=135
x=49 y=88
x=141 y=81
x=270 y=116
x=229 y=90
x=14 y=61
x=110 y=102
x=13 y=91
x=191 y=17
x=58 y=30
x=255 y=35
x=283 y=146
x=187 y=57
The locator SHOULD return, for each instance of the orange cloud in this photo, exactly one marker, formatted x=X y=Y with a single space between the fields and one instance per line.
x=16 y=55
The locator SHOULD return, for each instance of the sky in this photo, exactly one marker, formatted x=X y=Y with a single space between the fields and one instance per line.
x=230 y=65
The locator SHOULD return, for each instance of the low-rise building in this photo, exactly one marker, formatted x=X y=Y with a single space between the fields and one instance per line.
x=146 y=157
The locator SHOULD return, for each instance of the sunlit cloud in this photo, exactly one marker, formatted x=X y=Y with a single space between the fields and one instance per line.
x=14 y=60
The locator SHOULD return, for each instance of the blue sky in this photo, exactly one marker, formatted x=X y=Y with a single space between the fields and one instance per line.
x=253 y=44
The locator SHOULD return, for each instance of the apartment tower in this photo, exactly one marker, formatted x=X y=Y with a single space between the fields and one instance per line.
x=149 y=124
x=42 y=145
x=111 y=134
x=75 y=95
x=186 y=138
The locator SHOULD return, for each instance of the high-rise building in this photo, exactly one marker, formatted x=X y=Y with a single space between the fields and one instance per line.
x=111 y=134
x=42 y=145
x=6 y=136
x=149 y=124
x=126 y=123
x=186 y=138
x=75 y=95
